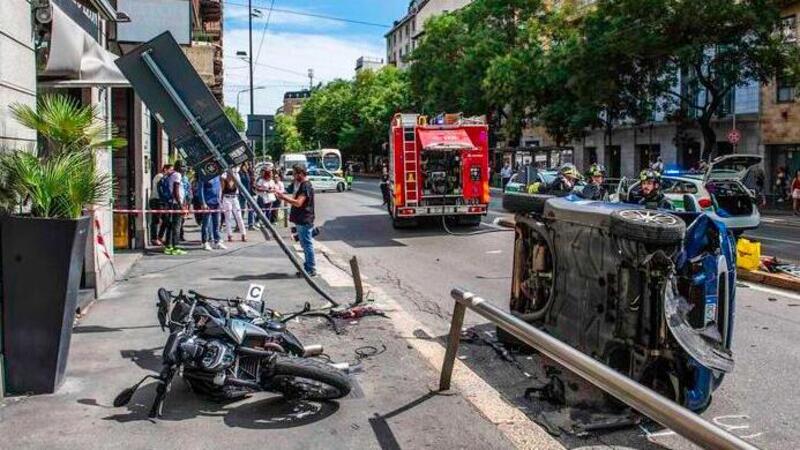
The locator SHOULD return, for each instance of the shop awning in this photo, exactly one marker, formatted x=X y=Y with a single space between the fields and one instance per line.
x=75 y=59
x=445 y=139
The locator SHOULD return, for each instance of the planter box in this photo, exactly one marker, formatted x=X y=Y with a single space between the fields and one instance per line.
x=42 y=261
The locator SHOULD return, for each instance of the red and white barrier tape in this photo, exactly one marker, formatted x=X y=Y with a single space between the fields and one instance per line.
x=187 y=211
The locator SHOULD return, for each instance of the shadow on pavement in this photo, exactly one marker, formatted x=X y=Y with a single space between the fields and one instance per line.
x=380 y=426
x=147 y=359
x=374 y=231
x=261 y=414
x=264 y=276
x=102 y=329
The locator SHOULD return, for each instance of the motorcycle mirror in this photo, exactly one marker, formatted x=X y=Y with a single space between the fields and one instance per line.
x=124 y=397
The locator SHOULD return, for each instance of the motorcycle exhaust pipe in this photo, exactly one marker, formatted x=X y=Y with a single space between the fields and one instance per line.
x=312 y=350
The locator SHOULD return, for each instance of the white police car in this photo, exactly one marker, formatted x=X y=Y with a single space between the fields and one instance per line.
x=720 y=191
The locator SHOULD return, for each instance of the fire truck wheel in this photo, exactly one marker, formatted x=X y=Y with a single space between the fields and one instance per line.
x=399 y=223
x=469 y=221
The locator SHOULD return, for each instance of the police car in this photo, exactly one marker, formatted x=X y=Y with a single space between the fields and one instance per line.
x=720 y=191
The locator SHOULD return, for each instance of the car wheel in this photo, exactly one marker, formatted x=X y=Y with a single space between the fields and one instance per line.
x=340 y=187
x=647 y=226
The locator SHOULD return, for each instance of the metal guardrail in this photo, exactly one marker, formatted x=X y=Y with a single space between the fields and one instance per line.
x=664 y=411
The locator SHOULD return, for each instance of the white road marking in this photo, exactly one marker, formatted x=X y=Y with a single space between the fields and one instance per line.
x=764 y=238
x=767 y=290
x=494 y=252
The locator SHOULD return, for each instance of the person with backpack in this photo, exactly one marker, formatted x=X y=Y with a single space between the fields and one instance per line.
x=209 y=194
x=171 y=191
x=158 y=223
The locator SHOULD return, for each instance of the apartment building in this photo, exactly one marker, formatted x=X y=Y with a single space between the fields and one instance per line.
x=293 y=101
x=368 y=63
x=402 y=39
x=780 y=112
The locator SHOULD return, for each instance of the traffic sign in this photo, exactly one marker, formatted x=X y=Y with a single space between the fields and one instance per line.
x=734 y=136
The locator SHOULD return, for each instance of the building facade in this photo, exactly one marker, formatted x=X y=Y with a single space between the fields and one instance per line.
x=403 y=38
x=293 y=101
x=368 y=63
x=18 y=80
x=780 y=113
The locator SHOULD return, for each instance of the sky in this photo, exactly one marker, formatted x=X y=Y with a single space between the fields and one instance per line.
x=293 y=43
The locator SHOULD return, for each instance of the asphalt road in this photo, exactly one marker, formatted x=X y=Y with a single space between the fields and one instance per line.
x=779 y=237
x=420 y=266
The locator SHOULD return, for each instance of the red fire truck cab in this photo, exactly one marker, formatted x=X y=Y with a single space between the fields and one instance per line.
x=438 y=169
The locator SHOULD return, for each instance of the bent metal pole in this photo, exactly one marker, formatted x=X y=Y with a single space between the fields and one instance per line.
x=664 y=411
x=267 y=229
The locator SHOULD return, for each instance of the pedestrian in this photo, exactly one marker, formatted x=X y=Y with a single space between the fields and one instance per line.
x=781 y=183
x=210 y=196
x=505 y=174
x=156 y=204
x=302 y=215
x=658 y=165
x=265 y=188
x=279 y=188
x=188 y=199
x=796 y=192
x=385 y=189
x=246 y=175
x=174 y=182
x=230 y=204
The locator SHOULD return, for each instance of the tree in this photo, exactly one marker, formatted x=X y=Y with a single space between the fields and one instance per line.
x=468 y=61
x=234 y=117
x=690 y=54
x=354 y=116
x=286 y=138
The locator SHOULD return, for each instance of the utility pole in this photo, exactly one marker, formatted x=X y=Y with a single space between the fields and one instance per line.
x=310 y=79
x=250 y=25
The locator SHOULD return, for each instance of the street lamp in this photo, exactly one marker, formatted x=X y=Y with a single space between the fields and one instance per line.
x=238 y=94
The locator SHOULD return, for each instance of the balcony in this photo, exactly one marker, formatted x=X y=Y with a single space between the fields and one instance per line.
x=211 y=10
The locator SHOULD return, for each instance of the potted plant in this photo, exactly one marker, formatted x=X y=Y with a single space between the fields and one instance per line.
x=44 y=233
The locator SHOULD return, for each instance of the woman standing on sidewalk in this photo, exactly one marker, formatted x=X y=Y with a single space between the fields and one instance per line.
x=230 y=204
x=280 y=189
x=265 y=187
x=796 y=192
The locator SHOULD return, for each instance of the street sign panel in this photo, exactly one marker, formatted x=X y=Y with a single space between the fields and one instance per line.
x=734 y=136
x=175 y=68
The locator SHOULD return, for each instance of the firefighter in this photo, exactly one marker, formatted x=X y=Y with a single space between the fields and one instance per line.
x=565 y=181
x=652 y=197
x=594 y=189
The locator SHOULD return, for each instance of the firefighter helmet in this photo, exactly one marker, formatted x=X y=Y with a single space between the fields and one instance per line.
x=650 y=174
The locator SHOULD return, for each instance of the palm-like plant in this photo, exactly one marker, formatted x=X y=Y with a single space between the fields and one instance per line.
x=63 y=179
x=65 y=124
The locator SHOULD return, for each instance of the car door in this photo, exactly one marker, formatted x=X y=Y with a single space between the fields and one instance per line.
x=328 y=180
x=314 y=178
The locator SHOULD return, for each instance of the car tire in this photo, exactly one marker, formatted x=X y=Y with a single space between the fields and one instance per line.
x=340 y=187
x=520 y=203
x=647 y=226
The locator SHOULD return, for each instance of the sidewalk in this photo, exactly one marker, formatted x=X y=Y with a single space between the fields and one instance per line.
x=119 y=341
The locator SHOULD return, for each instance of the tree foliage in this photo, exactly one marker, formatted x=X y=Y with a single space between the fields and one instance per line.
x=286 y=138
x=354 y=115
x=234 y=117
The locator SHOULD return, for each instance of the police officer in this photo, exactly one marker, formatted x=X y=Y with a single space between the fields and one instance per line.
x=594 y=190
x=652 y=197
x=565 y=181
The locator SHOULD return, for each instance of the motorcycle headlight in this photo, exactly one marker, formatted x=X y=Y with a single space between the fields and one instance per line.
x=217 y=356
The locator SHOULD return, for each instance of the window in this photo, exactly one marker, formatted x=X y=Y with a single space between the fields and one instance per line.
x=789 y=28
x=785 y=91
x=414 y=25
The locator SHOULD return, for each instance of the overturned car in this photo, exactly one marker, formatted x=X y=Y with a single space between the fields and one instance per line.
x=649 y=293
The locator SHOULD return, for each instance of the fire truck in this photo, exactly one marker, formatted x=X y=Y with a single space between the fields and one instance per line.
x=438 y=169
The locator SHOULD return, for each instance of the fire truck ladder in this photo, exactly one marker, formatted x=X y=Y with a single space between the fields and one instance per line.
x=410 y=184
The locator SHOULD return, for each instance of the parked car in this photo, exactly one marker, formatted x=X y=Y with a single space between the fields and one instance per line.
x=720 y=191
x=650 y=293
x=323 y=180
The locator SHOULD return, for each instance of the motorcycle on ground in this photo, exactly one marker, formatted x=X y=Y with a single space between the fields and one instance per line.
x=228 y=355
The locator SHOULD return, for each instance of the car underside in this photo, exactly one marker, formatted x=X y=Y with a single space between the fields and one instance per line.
x=647 y=292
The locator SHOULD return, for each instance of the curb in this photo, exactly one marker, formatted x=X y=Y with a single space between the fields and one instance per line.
x=522 y=432
x=770 y=279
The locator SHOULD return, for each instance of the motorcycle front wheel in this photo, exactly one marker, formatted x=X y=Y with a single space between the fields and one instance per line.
x=308 y=379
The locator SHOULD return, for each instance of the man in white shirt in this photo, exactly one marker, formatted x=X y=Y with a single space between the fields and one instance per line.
x=176 y=202
x=505 y=174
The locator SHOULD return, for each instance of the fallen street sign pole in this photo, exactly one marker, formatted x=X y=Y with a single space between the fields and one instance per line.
x=186 y=114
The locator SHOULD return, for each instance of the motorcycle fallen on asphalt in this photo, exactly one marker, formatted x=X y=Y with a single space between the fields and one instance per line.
x=227 y=354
